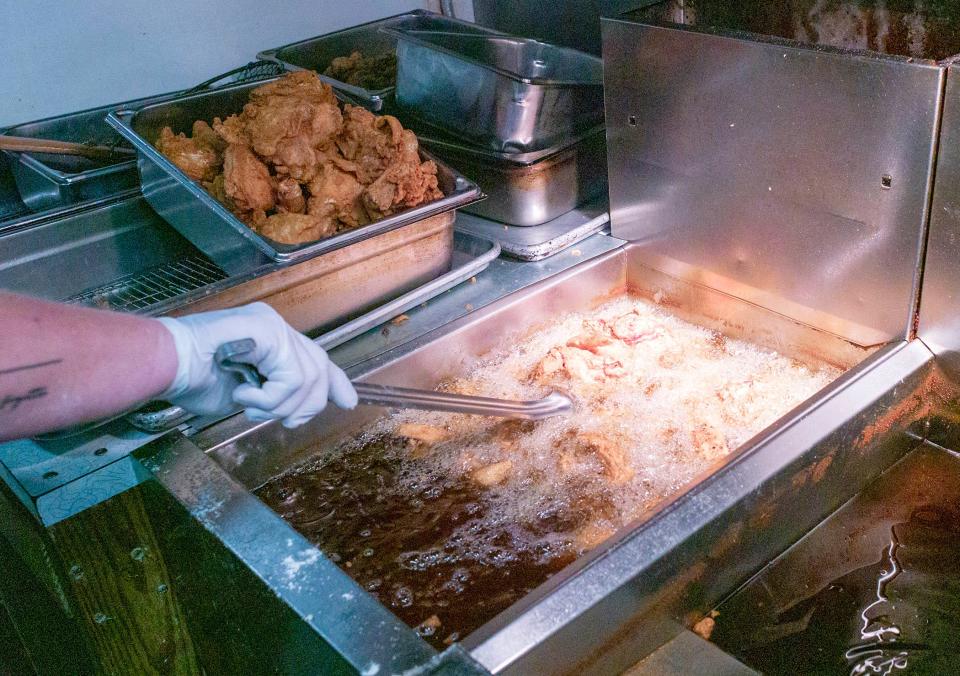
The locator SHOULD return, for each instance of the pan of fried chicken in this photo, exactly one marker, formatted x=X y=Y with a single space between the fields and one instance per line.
x=284 y=167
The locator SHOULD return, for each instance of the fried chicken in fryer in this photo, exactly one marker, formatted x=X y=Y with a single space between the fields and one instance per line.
x=246 y=180
x=288 y=228
x=611 y=451
x=491 y=475
x=196 y=158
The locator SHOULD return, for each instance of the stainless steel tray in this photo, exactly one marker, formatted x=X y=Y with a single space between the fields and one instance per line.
x=526 y=189
x=52 y=181
x=318 y=52
x=502 y=92
x=208 y=224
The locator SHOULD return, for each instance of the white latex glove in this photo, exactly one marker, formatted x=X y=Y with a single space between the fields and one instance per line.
x=299 y=374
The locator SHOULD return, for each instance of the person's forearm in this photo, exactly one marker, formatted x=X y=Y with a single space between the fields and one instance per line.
x=61 y=365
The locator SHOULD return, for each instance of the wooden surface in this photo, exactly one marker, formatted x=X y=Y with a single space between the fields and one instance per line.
x=135 y=585
x=123 y=590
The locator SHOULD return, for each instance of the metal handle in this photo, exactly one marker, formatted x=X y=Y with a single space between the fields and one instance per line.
x=553 y=404
x=224 y=356
x=372 y=394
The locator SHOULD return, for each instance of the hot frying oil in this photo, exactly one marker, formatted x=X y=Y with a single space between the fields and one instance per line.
x=449 y=519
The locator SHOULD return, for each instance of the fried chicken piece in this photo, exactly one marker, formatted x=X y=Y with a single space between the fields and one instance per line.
x=296 y=158
x=286 y=121
x=371 y=142
x=302 y=84
x=595 y=335
x=421 y=438
x=428 y=434
x=508 y=433
x=740 y=401
x=197 y=159
x=288 y=228
x=230 y=130
x=205 y=134
x=370 y=72
x=591 y=535
x=631 y=328
x=290 y=197
x=336 y=192
x=709 y=442
x=491 y=475
x=616 y=466
x=577 y=364
x=217 y=189
x=247 y=180
x=550 y=365
x=407 y=182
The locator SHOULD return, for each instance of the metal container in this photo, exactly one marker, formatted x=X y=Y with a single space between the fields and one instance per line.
x=529 y=188
x=505 y=93
x=690 y=550
x=317 y=53
x=210 y=225
x=52 y=181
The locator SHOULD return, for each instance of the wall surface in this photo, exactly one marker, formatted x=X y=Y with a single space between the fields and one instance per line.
x=64 y=55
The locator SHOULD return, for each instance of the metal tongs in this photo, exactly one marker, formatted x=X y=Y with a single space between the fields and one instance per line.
x=371 y=394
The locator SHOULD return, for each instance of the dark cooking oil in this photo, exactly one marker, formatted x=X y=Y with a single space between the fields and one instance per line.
x=404 y=546
x=873 y=590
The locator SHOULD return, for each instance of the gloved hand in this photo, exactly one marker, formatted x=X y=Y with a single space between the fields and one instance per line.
x=299 y=375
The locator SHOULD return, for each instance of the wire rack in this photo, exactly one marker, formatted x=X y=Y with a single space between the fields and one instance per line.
x=140 y=291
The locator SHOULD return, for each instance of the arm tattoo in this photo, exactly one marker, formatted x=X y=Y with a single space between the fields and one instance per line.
x=27 y=367
x=12 y=401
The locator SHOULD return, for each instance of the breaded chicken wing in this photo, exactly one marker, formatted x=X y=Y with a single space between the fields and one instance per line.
x=246 y=180
x=198 y=160
x=289 y=228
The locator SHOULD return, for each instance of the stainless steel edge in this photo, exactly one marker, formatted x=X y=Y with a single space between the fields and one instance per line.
x=759 y=168
x=34 y=219
x=359 y=629
x=939 y=321
x=438 y=139
x=387 y=311
x=422 y=38
x=534 y=243
x=614 y=606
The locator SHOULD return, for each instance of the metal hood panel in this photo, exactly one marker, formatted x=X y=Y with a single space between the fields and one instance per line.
x=791 y=176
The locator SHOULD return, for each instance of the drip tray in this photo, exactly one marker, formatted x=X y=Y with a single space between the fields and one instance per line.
x=873 y=589
x=140 y=291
